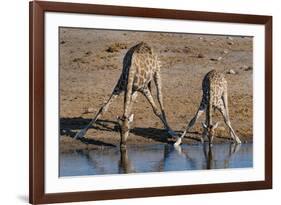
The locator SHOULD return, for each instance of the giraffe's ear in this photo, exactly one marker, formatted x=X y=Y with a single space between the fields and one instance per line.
x=131 y=118
x=119 y=120
x=204 y=125
x=216 y=125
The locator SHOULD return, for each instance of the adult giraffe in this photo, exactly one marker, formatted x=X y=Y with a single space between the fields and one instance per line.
x=140 y=67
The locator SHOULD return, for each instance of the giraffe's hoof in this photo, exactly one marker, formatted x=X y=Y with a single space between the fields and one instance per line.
x=177 y=143
x=179 y=150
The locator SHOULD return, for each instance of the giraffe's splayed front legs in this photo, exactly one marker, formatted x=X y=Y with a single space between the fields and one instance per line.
x=214 y=87
x=101 y=111
x=189 y=126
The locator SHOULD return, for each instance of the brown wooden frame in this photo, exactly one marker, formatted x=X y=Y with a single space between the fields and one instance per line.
x=37 y=95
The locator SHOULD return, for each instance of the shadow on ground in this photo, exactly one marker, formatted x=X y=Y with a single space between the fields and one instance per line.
x=70 y=126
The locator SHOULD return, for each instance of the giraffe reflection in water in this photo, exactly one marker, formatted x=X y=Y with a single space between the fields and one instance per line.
x=155 y=158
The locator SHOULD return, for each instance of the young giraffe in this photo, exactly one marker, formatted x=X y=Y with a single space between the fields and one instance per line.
x=214 y=88
x=140 y=67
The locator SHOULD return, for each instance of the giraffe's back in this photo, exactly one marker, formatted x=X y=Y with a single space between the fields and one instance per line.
x=143 y=61
x=214 y=84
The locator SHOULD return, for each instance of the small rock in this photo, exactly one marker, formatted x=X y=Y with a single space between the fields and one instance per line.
x=111 y=49
x=225 y=51
x=248 y=68
x=88 y=53
x=230 y=43
x=90 y=109
x=219 y=58
x=186 y=49
x=200 y=55
x=216 y=59
x=201 y=38
x=231 y=72
x=212 y=43
x=229 y=38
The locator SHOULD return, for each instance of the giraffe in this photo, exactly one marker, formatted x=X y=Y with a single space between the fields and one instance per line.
x=214 y=87
x=140 y=67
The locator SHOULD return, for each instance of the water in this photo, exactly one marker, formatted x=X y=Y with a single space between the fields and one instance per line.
x=155 y=158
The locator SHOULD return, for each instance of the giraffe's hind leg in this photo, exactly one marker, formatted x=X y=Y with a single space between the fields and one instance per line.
x=146 y=92
x=158 y=84
x=101 y=111
x=225 y=103
x=224 y=113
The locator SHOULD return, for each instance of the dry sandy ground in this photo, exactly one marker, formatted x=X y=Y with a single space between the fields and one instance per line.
x=90 y=65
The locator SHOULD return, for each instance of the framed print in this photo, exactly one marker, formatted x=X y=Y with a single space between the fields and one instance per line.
x=138 y=102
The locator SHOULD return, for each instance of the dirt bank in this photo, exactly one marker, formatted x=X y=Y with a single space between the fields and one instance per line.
x=91 y=62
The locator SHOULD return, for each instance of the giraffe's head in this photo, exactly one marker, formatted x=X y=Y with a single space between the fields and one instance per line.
x=209 y=131
x=125 y=124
